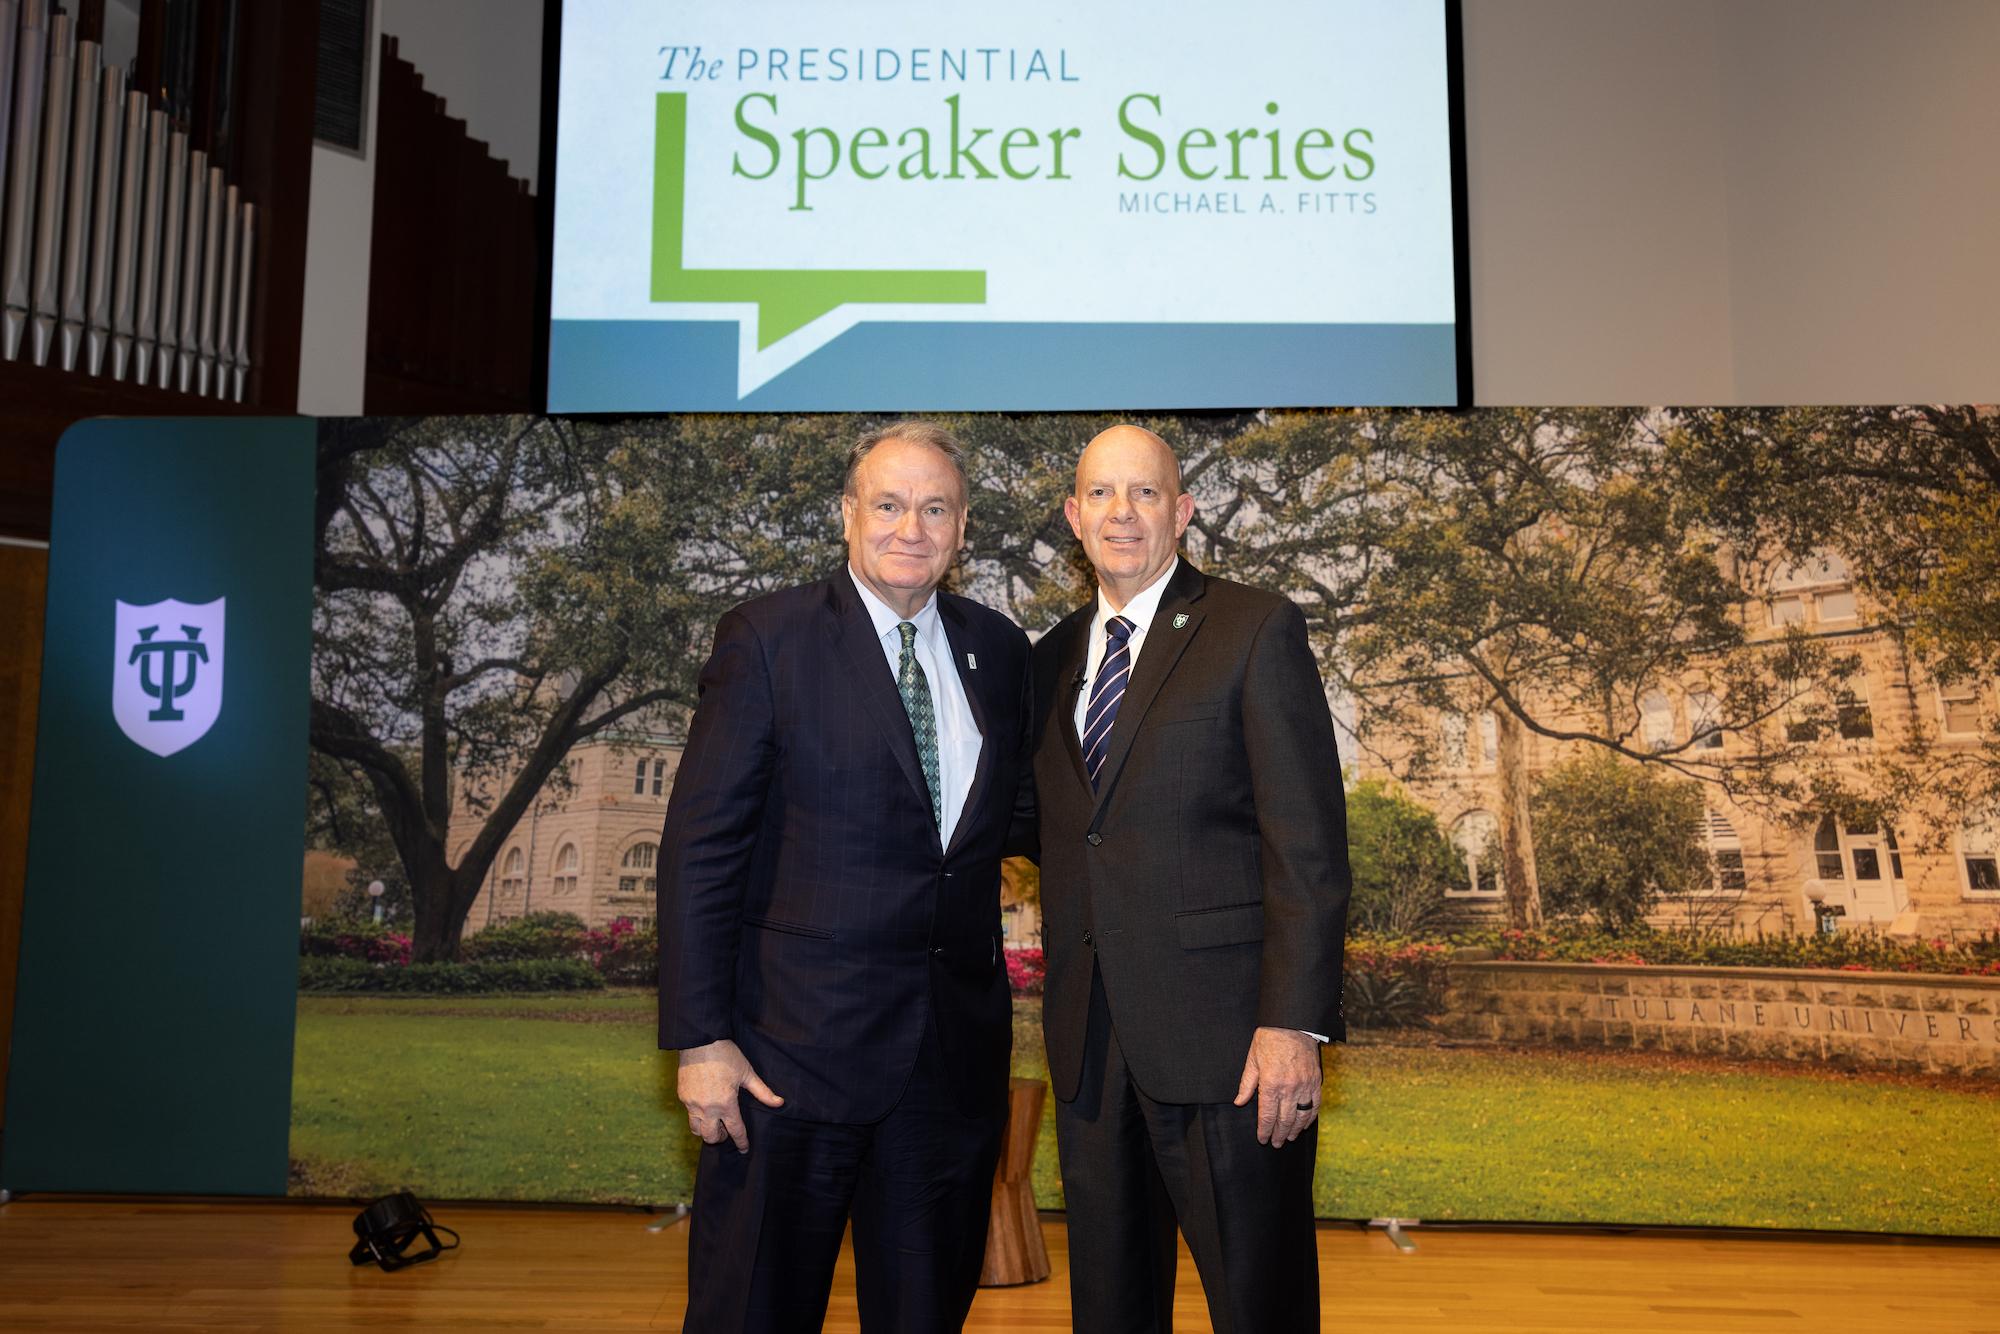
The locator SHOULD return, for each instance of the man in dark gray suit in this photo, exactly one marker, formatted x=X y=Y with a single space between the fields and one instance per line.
x=1194 y=901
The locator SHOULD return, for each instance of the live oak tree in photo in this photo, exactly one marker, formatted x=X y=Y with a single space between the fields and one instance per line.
x=1908 y=499
x=342 y=819
x=492 y=591
x=1537 y=565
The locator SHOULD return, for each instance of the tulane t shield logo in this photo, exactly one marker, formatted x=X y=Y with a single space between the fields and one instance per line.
x=166 y=672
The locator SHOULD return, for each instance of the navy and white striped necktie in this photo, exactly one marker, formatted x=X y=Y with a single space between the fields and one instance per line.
x=1105 y=693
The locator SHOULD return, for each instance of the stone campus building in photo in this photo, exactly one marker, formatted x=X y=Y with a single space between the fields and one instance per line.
x=1770 y=876
x=593 y=850
x=590 y=850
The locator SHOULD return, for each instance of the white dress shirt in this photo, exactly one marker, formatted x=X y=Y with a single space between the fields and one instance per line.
x=1141 y=611
x=958 y=733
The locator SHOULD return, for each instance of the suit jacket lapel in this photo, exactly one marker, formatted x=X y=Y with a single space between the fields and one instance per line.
x=1165 y=642
x=853 y=634
x=1069 y=676
x=957 y=636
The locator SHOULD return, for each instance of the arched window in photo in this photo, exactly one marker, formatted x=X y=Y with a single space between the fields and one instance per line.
x=1820 y=580
x=569 y=866
x=1958 y=708
x=1452 y=728
x=1805 y=711
x=1979 y=852
x=1725 y=850
x=1832 y=604
x=1800 y=724
x=1861 y=853
x=1835 y=604
x=513 y=874
x=1827 y=861
x=635 y=868
x=1656 y=720
x=1853 y=717
x=1704 y=720
x=649 y=771
x=1477 y=837
x=1814 y=571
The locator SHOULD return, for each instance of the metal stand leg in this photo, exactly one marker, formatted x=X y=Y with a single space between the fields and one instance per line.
x=1393 y=1229
x=665 y=1220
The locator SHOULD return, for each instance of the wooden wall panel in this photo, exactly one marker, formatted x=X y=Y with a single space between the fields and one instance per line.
x=455 y=254
x=24 y=578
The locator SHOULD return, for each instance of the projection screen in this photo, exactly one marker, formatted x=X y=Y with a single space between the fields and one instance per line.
x=873 y=206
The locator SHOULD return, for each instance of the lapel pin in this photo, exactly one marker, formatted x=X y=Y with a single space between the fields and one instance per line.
x=1180 y=619
x=972 y=662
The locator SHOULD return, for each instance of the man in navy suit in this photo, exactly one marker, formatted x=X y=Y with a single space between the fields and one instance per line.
x=830 y=966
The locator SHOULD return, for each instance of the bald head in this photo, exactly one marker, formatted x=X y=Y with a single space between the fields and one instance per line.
x=1128 y=510
x=1130 y=444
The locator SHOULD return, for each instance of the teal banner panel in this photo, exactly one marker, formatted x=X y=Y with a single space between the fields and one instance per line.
x=153 y=1028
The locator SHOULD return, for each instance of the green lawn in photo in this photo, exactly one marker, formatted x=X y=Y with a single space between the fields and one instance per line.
x=1506 y=1133
x=548 y=1097
x=565 y=1097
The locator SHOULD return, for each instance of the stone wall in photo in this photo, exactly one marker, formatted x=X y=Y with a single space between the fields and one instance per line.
x=1903 y=1022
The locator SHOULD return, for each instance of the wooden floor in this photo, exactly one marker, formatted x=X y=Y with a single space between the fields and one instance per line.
x=122 y=1265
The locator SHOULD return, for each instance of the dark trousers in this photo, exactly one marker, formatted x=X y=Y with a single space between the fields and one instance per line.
x=767 y=1224
x=1134 y=1168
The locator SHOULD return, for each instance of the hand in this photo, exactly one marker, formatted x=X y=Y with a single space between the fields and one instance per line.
x=710 y=1080
x=1283 y=1071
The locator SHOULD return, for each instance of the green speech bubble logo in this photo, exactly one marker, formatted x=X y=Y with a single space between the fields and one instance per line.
x=787 y=299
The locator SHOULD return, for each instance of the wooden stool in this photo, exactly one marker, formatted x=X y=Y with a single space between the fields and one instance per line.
x=1014 y=1249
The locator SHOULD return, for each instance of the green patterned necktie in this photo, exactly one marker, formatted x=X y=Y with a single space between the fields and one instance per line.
x=916 y=693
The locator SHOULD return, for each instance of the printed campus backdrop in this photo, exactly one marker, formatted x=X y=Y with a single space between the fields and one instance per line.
x=844 y=206
x=1671 y=758
x=1671 y=753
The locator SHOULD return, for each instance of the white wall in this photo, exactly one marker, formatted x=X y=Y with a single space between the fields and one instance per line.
x=333 y=338
x=1670 y=201
x=484 y=57
x=1598 y=231
x=1738 y=201
x=1864 y=212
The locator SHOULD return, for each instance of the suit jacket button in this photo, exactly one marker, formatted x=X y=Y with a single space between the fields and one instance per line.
x=1093 y=838
x=937 y=951
x=1086 y=937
